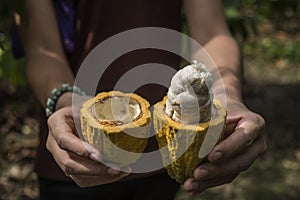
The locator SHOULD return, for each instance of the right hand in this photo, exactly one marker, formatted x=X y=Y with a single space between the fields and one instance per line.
x=77 y=159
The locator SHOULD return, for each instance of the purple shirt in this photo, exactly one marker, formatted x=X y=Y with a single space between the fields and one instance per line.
x=65 y=14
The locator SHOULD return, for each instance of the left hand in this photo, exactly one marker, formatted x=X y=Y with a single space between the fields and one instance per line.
x=77 y=159
x=244 y=142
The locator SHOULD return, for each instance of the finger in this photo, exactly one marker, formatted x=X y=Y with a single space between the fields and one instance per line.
x=230 y=166
x=61 y=130
x=63 y=118
x=231 y=123
x=190 y=184
x=76 y=165
x=205 y=184
x=77 y=101
x=87 y=181
x=245 y=133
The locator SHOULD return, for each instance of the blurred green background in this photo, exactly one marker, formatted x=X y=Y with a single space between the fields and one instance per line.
x=269 y=34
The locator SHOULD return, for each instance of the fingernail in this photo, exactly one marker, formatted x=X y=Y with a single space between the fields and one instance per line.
x=126 y=170
x=194 y=186
x=94 y=153
x=113 y=172
x=123 y=174
x=202 y=174
x=216 y=156
x=95 y=157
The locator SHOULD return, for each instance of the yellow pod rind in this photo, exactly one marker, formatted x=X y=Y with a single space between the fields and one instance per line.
x=119 y=144
x=183 y=141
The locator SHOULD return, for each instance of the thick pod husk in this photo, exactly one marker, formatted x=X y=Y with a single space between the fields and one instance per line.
x=119 y=144
x=180 y=143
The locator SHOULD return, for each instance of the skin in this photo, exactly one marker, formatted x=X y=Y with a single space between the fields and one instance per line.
x=47 y=68
x=245 y=139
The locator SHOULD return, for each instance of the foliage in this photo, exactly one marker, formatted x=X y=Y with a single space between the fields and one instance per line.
x=268 y=9
x=276 y=50
x=245 y=16
x=7 y=7
x=266 y=29
x=10 y=69
x=273 y=49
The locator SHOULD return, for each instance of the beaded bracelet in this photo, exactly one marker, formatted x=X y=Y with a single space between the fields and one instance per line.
x=56 y=93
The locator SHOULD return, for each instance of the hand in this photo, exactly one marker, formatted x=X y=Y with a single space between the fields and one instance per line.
x=244 y=142
x=77 y=159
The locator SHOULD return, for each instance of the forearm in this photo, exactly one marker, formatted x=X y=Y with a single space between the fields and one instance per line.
x=225 y=53
x=46 y=64
x=45 y=72
x=208 y=27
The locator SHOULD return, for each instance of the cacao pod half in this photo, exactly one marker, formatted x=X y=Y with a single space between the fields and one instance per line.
x=117 y=124
x=180 y=143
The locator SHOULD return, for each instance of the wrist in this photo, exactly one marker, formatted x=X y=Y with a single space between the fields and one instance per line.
x=61 y=97
x=64 y=100
x=234 y=99
x=230 y=83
